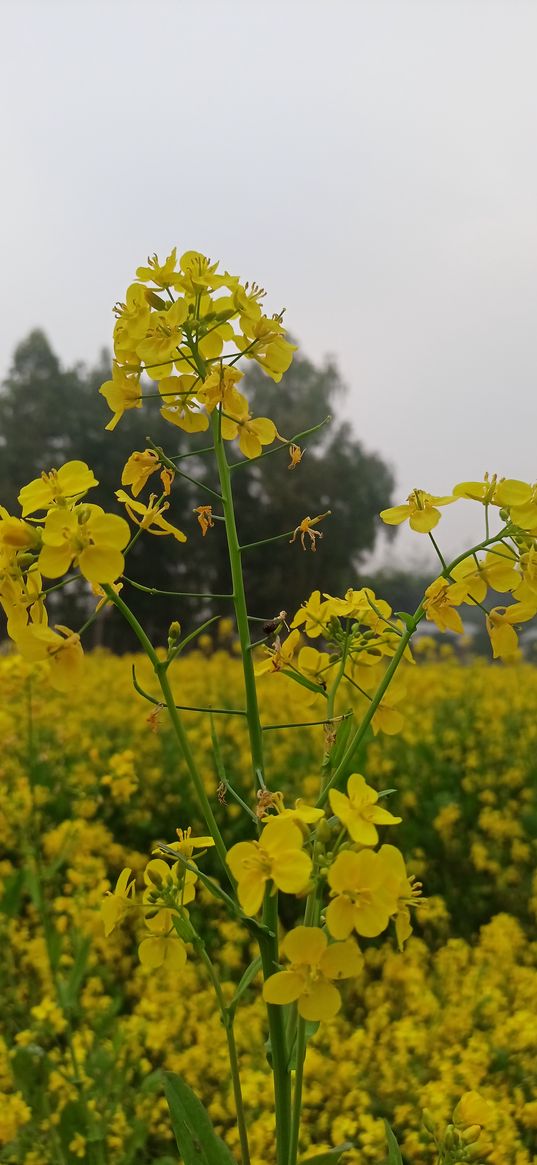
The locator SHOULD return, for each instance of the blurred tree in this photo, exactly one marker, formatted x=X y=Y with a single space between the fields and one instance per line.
x=49 y=415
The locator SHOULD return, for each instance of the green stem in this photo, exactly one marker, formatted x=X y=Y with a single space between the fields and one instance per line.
x=265 y=541
x=172 y=594
x=232 y=1050
x=283 y=445
x=268 y=946
x=178 y=726
x=241 y=613
x=311 y=918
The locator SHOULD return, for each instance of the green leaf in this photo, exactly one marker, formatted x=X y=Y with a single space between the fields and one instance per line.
x=304 y=683
x=330 y=1157
x=248 y=977
x=312 y=1026
x=71 y=988
x=13 y=890
x=394 y=1152
x=196 y=1139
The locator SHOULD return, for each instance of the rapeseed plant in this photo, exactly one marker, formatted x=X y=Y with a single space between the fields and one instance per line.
x=188 y=326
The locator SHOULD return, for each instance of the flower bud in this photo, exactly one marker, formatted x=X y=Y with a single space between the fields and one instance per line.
x=471 y=1134
x=174 y=632
x=428 y=1121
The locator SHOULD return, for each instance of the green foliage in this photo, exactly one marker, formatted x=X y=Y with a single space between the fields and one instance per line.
x=196 y=1139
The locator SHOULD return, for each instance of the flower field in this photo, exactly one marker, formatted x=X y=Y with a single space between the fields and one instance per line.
x=89 y=783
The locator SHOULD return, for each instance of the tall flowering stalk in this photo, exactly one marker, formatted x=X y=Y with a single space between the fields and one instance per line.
x=180 y=337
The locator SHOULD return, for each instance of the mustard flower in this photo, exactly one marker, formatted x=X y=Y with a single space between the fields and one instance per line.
x=180 y=406
x=364 y=894
x=494 y=491
x=408 y=892
x=496 y=570
x=138 y=469
x=87 y=537
x=314 y=615
x=150 y=517
x=277 y=857
x=162 y=950
x=439 y=604
x=500 y=626
x=421 y=510
x=121 y=393
x=279 y=656
x=58 y=486
x=61 y=648
x=186 y=844
x=118 y=901
x=252 y=434
x=302 y=814
x=472 y=1109
x=314 y=966
x=160 y=273
x=164 y=335
x=359 y=812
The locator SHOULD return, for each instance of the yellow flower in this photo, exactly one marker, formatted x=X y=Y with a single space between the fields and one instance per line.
x=122 y=392
x=205 y=518
x=180 y=406
x=16 y=535
x=496 y=570
x=159 y=273
x=359 y=811
x=500 y=620
x=494 y=492
x=364 y=894
x=472 y=1109
x=526 y=590
x=314 y=614
x=252 y=434
x=61 y=485
x=187 y=844
x=421 y=511
x=220 y=388
x=87 y=537
x=314 y=965
x=163 y=950
x=118 y=902
x=408 y=891
x=62 y=651
x=276 y=857
x=150 y=517
x=279 y=656
x=302 y=813
x=160 y=345
x=138 y=469
x=441 y=598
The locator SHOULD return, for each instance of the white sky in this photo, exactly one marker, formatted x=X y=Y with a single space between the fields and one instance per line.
x=372 y=164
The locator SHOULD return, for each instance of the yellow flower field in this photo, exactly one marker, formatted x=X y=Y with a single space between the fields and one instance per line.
x=90 y=781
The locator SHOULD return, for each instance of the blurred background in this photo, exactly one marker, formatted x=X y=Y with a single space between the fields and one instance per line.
x=372 y=164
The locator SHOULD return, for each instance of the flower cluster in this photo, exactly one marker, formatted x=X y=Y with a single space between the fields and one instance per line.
x=187 y=325
x=68 y=533
x=509 y=565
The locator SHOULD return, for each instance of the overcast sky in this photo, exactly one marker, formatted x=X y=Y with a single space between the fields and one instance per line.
x=372 y=164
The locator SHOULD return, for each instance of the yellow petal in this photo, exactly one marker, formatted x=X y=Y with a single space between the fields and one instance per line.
x=322 y=1002
x=283 y=987
x=341 y=960
x=395 y=515
x=100 y=564
x=305 y=944
x=424 y=520
x=340 y=917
